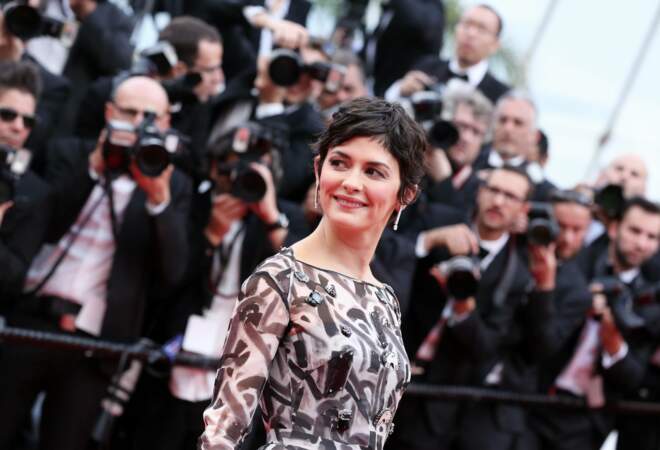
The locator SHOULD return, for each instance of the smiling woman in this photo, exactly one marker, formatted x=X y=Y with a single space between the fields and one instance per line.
x=315 y=337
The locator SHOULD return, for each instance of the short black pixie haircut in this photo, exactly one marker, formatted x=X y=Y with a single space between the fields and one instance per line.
x=386 y=123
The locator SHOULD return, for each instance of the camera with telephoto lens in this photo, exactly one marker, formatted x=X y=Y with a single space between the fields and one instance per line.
x=151 y=149
x=239 y=148
x=620 y=300
x=427 y=104
x=13 y=164
x=26 y=22
x=287 y=66
x=610 y=200
x=542 y=228
x=461 y=274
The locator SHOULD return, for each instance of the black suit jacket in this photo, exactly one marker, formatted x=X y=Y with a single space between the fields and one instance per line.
x=415 y=31
x=54 y=95
x=102 y=48
x=490 y=86
x=463 y=198
x=22 y=232
x=149 y=249
x=502 y=330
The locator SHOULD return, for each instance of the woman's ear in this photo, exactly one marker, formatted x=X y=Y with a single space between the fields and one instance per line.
x=410 y=195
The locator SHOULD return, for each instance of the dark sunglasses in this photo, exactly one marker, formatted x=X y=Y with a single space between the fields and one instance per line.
x=10 y=114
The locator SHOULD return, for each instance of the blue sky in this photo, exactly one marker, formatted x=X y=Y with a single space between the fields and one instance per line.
x=577 y=73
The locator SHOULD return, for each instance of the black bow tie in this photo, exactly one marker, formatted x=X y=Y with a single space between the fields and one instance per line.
x=463 y=76
x=483 y=253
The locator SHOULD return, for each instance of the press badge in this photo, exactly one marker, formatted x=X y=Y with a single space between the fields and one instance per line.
x=206 y=334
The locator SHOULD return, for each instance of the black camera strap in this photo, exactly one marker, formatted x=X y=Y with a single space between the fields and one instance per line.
x=502 y=289
x=223 y=253
x=74 y=237
x=107 y=186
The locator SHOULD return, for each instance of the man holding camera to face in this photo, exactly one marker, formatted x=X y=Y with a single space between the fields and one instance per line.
x=24 y=197
x=118 y=228
x=236 y=224
x=623 y=318
x=489 y=301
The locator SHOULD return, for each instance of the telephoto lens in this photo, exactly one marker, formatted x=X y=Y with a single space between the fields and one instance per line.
x=461 y=275
x=543 y=228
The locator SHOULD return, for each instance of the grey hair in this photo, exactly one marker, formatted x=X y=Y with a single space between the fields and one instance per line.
x=520 y=95
x=460 y=92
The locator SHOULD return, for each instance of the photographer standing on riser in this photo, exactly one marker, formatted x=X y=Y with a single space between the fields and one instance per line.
x=114 y=235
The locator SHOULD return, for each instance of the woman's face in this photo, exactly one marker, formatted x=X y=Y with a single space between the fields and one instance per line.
x=359 y=185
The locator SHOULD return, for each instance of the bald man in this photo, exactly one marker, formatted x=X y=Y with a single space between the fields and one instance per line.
x=114 y=235
x=627 y=170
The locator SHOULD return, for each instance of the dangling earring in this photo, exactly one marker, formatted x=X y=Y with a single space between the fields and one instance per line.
x=396 y=221
x=316 y=198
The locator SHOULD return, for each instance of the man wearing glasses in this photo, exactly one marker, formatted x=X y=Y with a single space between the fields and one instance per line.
x=477 y=340
x=24 y=213
x=116 y=236
x=477 y=38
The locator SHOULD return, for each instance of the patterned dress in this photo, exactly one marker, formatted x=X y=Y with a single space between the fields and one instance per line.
x=320 y=352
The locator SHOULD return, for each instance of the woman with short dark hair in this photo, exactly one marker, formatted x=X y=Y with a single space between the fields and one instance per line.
x=315 y=336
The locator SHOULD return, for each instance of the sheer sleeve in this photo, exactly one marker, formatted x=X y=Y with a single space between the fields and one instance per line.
x=259 y=321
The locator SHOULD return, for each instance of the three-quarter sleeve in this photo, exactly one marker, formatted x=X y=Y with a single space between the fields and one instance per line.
x=259 y=322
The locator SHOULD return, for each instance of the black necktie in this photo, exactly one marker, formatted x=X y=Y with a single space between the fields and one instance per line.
x=463 y=76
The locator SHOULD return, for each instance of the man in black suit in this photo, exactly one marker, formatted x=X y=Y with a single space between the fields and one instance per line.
x=555 y=429
x=102 y=48
x=24 y=217
x=450 y=175
x=117 y=232
x=622 y=365
x=251 y=28
x=515 y=135
x=477 y=38
x=289 y=108
x=408 y=31
x=53 y=95
x=475 y=339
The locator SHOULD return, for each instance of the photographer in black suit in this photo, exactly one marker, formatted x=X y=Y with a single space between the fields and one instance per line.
x=479 y=338
x=626 y=317
x=51 y=100
x=477 y=38
x=102 y=48
x=452 y=180
x=116 y=233
x=24 y=214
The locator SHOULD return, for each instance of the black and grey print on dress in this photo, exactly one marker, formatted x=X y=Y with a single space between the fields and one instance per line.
x=321 y=351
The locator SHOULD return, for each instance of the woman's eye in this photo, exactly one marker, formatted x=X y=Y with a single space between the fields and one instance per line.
x=374 y=172
x=337 y=163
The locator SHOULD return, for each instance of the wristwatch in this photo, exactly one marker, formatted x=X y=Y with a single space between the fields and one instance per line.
x=282 y=221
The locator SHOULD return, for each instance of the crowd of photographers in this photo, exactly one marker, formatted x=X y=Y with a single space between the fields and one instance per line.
x=138 y=191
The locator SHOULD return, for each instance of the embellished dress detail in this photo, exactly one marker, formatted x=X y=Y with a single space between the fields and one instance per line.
x=319 y=351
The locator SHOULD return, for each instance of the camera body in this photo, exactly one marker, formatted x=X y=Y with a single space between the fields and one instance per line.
x=151 y=149
x=620 y=300
x=157 y=60
x=610 y=200
x=26 y=22
x=242 y=146
x=543 y=228
x=287 y=66
x=13 y=164
x=461 y=274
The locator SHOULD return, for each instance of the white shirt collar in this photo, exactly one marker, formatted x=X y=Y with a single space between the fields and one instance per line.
x=475 y=73
x=495 y=160
x=629 y=275
x=493 y=248
x=268 y=110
